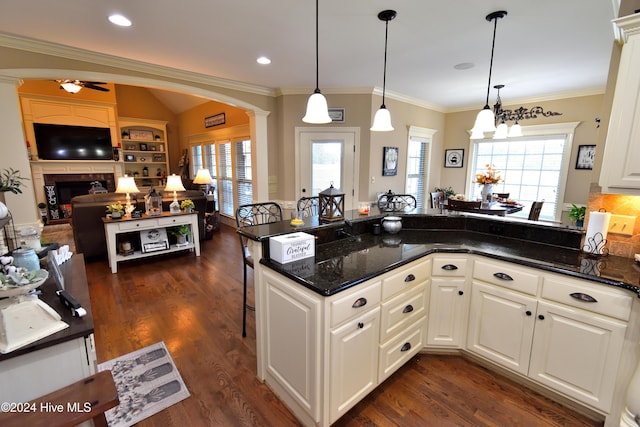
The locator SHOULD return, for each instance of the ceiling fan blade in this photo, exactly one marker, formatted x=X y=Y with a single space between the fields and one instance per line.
x=89 y=85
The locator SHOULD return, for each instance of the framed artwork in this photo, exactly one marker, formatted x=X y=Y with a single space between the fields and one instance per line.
x=453 y=158
x=130 y=147
x=389 y=161
x=141 y=134
x=215 y=120
x=586 y=156
x=337 y=115
x=129 y=158
x=143 y=147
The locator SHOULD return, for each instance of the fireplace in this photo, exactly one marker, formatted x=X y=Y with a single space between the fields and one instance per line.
x=59 y=189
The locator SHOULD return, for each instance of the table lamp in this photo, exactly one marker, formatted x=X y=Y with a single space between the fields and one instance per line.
x=174 y=183
x=203 y=177
x=127 y=184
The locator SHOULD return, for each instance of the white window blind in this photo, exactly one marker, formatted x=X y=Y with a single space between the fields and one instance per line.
x=417 y=158
x=243 y=172
x=225 y=170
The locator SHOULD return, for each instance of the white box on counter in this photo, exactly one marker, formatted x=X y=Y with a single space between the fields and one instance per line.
x=291 y=247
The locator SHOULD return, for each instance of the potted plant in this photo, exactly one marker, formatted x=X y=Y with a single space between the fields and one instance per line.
x=10 y=180
x=448 y=192
x=577 y=213
x=187 y=205
x=181 y=232
x=116 y=210
x=43 y=211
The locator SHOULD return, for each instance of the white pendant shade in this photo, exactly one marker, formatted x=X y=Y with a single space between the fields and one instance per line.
x=515 y=131
x=485 y=121
x=317 y=110
x=382 y=121
x=501 y=131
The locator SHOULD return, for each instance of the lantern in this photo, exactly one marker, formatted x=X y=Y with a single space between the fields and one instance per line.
x=331 y=204
x=153 y=203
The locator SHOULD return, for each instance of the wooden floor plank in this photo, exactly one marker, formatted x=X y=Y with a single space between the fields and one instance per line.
x=193 y=304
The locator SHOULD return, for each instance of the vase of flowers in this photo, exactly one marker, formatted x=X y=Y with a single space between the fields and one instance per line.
x=10 y=180
x=489 y=177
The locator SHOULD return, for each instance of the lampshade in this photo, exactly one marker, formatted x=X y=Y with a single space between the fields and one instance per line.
x=501 y=131
x=203 y=177
x=174 y=183
x=317 y=109
x=485 y=121
x=71 y=87
x=515 y=130
x=382 y=120
x=127 y=184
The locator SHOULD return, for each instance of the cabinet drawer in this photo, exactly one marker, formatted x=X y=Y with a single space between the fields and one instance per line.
x=137 y=225
x=449 y=266
x=599 y=299
x=507 y=276
x=174 y=220
x=355 y=302
x=403 y=310
x=399 y=350
x=408 y=276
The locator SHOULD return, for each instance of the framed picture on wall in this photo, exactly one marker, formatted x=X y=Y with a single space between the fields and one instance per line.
x=586 y=156
x=390 y=161
x=129 y=158
x=453 y=158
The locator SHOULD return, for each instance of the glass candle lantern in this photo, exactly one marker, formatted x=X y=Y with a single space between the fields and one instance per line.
x=331 y=204
x=153 y=203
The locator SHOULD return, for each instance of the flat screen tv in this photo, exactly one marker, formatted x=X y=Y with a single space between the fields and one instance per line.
x=61 y=142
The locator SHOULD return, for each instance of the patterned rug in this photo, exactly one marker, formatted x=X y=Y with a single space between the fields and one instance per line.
x=147 y=381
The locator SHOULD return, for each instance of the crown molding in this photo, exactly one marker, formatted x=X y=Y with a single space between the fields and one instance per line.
x=53 y=49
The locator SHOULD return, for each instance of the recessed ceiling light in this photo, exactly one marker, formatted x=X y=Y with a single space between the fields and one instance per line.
x=263 y=60
x=120 y=20
x=464 y=65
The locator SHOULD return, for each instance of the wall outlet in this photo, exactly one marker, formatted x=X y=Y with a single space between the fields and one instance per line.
x=622 y=224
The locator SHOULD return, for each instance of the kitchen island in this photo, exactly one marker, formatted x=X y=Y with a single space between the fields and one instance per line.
x=331 y=328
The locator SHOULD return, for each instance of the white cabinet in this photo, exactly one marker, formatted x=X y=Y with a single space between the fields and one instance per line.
x=564 y=333
x=620 y=167
x=501 y=326
x=448 y=306
x=145 y=150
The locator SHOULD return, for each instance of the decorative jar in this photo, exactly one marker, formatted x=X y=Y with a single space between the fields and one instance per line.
x=26 y=258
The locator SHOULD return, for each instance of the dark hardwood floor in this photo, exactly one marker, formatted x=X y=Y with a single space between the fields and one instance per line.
x=194 y=305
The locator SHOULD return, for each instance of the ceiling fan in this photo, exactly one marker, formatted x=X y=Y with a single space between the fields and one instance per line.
x=74 y=86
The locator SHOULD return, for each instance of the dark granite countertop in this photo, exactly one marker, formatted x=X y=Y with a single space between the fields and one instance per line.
x=344 y=263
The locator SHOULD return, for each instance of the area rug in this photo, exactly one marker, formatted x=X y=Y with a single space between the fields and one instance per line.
x=147 y=381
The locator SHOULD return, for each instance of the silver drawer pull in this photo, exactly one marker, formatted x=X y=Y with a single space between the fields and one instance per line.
x=410 y=278
x=583 y=297
x=449 y=267
x=406 y=346
x=408 y=309
x=360 y=302
x=503 y=276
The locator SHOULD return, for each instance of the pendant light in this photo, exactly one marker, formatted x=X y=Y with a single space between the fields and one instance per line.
x=486 y=120
x=317 y=109
x=382 y=119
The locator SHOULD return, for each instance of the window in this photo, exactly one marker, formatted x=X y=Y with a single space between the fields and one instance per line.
x=533 y=167
x=418 y=158
x=229 y=162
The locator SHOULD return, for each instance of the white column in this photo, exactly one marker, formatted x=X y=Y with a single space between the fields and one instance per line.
x=259 y=157
x=14 y=154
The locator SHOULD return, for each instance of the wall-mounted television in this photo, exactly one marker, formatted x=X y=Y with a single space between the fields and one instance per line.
x=62 y=142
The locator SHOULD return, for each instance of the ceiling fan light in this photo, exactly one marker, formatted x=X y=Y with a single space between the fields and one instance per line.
x=515 y=131
x=501 y=131
x=382 y=120
x=71 y=87
x=485 y=121
x=317 y=109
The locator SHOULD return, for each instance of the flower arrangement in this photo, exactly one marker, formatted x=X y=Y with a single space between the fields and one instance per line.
x=187 y=204
x=10 y=180
x=115 y=207
x=490 y=176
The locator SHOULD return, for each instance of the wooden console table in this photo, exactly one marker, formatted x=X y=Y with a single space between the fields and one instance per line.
x=113 y=228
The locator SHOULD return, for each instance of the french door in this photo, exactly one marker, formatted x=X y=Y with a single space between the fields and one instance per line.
x=327 y=156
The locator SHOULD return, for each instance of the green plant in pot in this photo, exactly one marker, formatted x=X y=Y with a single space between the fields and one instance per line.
x=181 y=232
x=577 y=213
x=116 y=210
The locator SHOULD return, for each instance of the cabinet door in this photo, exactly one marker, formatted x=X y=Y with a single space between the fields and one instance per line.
x=446 y=312
x=501 y=325
x=577 y=353
x=354 y=362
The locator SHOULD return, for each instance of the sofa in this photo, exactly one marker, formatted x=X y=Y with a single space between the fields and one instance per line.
x=88 y=210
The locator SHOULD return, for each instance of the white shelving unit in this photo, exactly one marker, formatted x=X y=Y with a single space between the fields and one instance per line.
x=145 y=152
